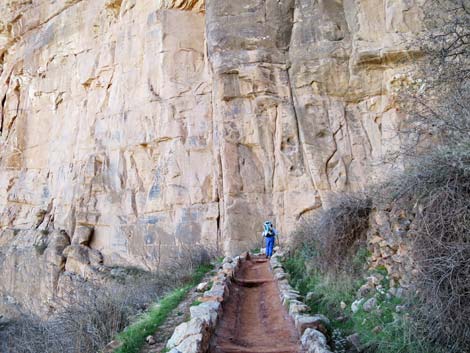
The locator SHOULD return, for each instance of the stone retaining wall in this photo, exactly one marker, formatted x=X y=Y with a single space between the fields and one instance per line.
x=389 y=241
x=194 y=335
x=313 y=329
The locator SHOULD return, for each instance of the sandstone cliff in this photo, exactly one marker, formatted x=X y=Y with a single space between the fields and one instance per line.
x=163 y=124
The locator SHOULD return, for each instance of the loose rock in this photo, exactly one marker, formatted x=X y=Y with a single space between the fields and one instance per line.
x=227 y=260
x=318 y=322
x=314 y=341
x=356 y=305
x=202 y=287
x=150 y=340
x=370 y=304
x=377 y=329
x=355 y=341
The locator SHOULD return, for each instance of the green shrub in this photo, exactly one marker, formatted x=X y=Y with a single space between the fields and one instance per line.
x=380 y=331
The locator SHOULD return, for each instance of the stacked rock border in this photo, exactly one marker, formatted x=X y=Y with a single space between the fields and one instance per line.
x=313 y=329
x=193 y=336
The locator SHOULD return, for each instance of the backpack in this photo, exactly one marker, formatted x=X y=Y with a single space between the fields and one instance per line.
x=268 y=229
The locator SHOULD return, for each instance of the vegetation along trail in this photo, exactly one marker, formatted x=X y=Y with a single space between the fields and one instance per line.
x=254 y=320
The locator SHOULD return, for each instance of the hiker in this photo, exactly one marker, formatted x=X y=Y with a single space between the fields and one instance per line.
x=269 y=233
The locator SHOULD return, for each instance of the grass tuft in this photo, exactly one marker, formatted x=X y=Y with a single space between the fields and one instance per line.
x=383 y=330
x=133 y=337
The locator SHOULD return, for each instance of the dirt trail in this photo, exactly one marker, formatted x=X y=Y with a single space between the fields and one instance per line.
x=254 y=320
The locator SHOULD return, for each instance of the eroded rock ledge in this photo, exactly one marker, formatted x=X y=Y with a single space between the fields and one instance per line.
x=192 y=5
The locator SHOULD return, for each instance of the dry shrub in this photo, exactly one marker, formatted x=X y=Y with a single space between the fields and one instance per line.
x=190 y=257
x=86 y=325
x=436 y=97
x=93 y=315
x=436 y=188
x=435 y=185
x=334 y=235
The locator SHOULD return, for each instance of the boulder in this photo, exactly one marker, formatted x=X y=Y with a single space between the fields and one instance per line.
x=228 y=269
x=174 y=350
x=219 y=278
x=82 y=260
x=192 y=344
x=78 y=253
x=217 y=290
x=58 y=242
x=287 y=297
x=280 y=275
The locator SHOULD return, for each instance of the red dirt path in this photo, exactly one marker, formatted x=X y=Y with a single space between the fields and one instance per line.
x=254 y=320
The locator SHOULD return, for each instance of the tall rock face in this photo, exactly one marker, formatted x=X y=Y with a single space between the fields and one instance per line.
x=165 y=124
x=264 y=172
x=346 y=57
x=302 y=97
